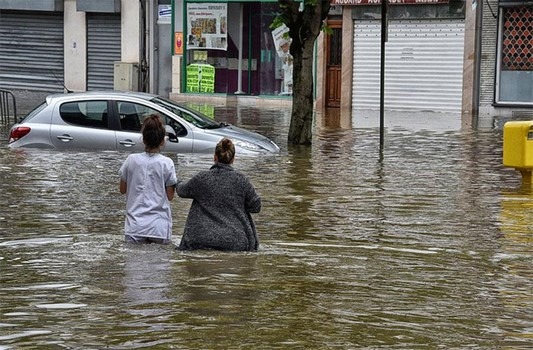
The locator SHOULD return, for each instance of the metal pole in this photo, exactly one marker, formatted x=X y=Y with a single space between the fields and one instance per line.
x=384 y=30
x=151 y=47
x=239 y=73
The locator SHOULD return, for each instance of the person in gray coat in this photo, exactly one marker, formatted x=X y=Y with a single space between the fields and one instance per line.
x=223 y=199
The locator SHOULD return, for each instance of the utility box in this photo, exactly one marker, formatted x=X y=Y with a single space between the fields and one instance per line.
x=518 y=144
x=126 y=76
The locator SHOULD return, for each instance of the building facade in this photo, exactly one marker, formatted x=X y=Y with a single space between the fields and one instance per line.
x=506 y=60
x=471 y=58
x=452 y=56
x=69 y=45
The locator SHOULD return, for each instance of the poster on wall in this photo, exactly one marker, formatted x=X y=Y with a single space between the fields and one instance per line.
x=207 y=26
x=283 y=43
x=200 y=78
x=178 y=43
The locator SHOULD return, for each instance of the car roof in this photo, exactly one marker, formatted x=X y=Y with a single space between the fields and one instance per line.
x=112 y=94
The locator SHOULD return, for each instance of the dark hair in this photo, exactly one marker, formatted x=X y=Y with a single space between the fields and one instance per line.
x=225 y=151
x=153 y=132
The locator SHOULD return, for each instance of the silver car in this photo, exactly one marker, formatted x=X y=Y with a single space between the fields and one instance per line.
x=112 y=121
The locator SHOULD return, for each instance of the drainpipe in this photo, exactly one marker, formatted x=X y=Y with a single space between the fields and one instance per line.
x=151 y=48
x=477 y=76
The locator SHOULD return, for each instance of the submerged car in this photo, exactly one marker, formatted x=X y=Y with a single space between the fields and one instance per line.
x=112 y=120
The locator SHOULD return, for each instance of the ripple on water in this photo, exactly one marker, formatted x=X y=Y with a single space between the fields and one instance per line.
x=426 y=244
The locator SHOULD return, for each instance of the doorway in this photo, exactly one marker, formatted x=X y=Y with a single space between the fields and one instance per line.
x=333 y=65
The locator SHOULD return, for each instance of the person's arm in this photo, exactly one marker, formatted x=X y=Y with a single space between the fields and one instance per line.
x=122 y=173
x=253 y=200
x=187 y=189
x=170 y=192
x=123 y=186
x=170 y=183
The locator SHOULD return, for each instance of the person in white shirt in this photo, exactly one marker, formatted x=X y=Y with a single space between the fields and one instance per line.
x=148 y=179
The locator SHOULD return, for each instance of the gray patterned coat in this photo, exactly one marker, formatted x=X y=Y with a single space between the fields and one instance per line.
x=219 y=218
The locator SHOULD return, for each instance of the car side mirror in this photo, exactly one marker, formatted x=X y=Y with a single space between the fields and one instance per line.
x=171 y=134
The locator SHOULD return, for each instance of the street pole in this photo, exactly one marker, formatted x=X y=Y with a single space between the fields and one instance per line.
x=384 y=35
x=239 y=73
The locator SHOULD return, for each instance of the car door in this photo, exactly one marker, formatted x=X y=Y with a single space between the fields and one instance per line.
x=82 y=125
x=131 y=115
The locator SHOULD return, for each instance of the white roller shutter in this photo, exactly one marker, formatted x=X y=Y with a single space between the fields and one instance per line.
x=423 y=65
x=103 y=49
x=31 y=51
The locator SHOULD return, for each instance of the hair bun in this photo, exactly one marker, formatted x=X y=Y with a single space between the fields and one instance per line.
x=226 y=143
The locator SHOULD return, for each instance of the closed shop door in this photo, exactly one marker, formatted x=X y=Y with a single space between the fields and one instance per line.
x=103 y=49
x=423 y=65
x=31 y=51
x=333 y=65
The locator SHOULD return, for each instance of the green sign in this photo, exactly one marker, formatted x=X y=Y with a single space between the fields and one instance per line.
x=200 y=78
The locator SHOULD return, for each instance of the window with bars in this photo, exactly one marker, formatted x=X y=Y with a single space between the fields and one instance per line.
x=515 y=83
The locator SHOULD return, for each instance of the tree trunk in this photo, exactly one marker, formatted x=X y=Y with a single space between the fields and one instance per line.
x=304 y=27
x=301 y=127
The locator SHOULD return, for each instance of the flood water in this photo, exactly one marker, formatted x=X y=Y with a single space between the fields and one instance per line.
x=427 y=245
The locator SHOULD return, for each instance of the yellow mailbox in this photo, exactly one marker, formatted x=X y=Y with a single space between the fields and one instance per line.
x=518 y=147
x=518 y=144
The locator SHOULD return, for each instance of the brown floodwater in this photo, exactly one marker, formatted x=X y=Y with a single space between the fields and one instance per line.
x=425 y=245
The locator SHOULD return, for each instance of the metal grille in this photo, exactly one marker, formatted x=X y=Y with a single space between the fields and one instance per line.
x=423 y=65
x=517 y=48
x=103 y=49
x=31 y=51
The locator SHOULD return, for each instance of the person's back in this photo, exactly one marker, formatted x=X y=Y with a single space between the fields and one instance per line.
x=219 y=217
x=148 y=179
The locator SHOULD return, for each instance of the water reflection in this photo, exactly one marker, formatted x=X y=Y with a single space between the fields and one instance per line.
x=301 y=194
x=514 y=255
x=424 y=245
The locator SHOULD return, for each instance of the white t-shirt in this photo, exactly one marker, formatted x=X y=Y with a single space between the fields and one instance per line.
x=147 y=206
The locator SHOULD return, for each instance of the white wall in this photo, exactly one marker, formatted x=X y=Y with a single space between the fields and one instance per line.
x=75 y=45
x=131 y=36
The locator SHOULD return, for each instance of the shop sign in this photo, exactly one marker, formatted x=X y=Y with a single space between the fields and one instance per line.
x=164 y=12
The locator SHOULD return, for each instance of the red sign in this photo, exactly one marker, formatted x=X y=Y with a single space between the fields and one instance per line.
x=391 y=2
x=178 y=43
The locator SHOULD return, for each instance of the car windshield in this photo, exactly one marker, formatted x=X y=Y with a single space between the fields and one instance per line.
x=194 y=117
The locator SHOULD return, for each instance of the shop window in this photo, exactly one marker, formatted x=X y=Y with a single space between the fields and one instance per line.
x=515 y=73
x=212 y=57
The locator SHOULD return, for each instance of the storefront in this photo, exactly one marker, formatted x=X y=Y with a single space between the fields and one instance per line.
x=424 y=55
x=56 y=45
x=229 y=48
x=103 y=49
x=32 y=50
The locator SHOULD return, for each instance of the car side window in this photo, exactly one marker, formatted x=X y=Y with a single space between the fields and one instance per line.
x=91 y=114
x=129 y=117
x=132 y=116
x=178 y=128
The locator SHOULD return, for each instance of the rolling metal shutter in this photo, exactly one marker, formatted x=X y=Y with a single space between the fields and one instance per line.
x=103 y=49
x=423 y=65
x=31 y=51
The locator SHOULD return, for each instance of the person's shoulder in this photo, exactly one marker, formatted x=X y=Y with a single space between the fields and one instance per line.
x=241 y=175
x=204 y=173
x=166 y=158
x=131 y=157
